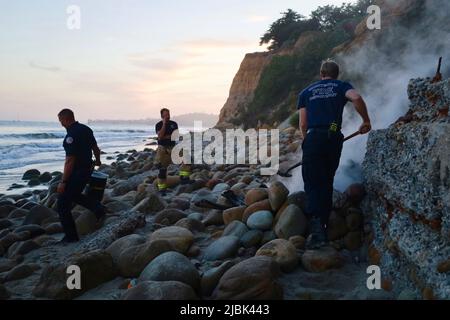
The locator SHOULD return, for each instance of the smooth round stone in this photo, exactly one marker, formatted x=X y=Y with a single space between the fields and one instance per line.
x=196 y=216
x=221 y=187
x=252 y=238
x=261 y=220
x=222 y=248
x=235 y=228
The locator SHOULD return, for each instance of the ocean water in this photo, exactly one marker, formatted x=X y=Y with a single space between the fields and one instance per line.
x=38 y=145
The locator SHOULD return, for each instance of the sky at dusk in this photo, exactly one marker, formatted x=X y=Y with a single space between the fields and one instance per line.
x=130 y=58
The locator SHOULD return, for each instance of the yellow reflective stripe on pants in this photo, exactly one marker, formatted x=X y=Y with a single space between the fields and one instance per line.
x=185 y=173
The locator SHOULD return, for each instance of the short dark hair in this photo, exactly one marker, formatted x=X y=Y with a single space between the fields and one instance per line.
x=66 y=113
x=330 y=69
x=163 y=110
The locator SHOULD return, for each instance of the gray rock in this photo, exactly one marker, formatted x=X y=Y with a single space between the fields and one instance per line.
x=196 y=216
x=223 y=248
x=21 y=272
x=32 y=173
x=213 y=218
x=221 y=187
x=268 y=236
x=5 y=223
x=235 y=228
x=169 y=216
x=45 y=177
x=97 y=267
x=211 y=278
x=34 y=229
x=292 y=222
x=252 y=238
x=22 y=248
x=191 y=224
x=171 y=266
x=6 y=209
x=38 y=214
x=156 y=290
x=18 y=213
x=118 y=246
x=4 y=293
x=261 y=220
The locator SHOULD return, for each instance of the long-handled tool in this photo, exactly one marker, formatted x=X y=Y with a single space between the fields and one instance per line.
x=288 y=175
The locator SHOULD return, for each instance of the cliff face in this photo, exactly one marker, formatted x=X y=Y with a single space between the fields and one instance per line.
x=244 y=85
x=246 y=81
x=407 y=173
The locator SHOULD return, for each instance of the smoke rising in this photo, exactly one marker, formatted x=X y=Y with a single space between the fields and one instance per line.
x=381 y=69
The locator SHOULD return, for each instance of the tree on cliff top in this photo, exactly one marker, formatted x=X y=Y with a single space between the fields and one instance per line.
x=327 y=18
x=288 y=27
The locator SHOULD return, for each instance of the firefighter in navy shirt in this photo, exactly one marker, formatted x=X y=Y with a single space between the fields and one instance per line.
x=164 y=129
x=79 y=144
x=321 y=107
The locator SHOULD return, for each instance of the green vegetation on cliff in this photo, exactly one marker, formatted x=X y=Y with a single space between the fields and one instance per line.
x=276 y=95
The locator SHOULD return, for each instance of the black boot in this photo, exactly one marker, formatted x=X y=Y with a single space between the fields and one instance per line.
x=318 y=234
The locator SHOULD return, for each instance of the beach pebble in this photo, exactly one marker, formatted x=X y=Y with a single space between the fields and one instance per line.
x=235 y=228
x=261 y=220
x=161 y=290
x=282 y=251
x=263 y=205
x=169 y=216
x=278 y=194
x=256 y=195
x=211 y=278
x=179 y=238
x=292 y=222
x=233 y=214
x=223 y=248
x=251 y=279
x=321 y=260
x=252 y=238
x=171 y=266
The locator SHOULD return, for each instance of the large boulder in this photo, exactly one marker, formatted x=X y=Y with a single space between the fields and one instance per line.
x=222 y=248
x=34 y=229
x=252 y=238
x=213 y=218
x=171 y=266
x=97 y=267
x=283 y=251
x=179 y=238
x=86 y=223
x=157 y=290
x=151 y=204
x=292 y=222
x=252 y=279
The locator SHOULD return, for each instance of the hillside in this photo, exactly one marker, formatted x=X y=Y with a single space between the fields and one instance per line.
x=265 y=89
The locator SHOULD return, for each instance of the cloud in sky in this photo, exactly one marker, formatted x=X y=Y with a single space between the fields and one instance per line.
x=34 y=65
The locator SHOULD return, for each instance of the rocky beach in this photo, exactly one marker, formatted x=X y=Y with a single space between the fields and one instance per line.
x=235 y=234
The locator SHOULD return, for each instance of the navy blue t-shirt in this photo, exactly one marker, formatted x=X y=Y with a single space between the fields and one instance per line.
x=324 y=102
x=79 y=142
x=170 y=128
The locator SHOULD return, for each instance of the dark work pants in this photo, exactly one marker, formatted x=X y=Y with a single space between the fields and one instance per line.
x=73 y=194
x=321 y=156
